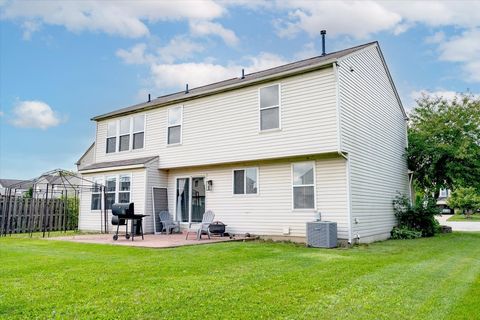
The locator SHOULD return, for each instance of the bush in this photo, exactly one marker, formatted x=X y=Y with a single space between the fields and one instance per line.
x=419 y=216
x=465 y=199
x=405 y=233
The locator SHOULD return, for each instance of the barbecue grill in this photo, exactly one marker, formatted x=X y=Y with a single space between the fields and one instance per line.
x=217 y=228
x=121 y=214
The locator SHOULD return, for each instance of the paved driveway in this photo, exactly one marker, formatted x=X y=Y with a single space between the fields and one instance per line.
x=458 y=225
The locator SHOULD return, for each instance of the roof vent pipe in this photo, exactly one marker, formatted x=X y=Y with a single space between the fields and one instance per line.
x=323 y=33
x=243 y=73
x=186 y=88
x=149 y=99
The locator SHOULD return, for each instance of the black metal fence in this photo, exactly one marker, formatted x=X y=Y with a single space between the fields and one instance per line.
x=20 y=214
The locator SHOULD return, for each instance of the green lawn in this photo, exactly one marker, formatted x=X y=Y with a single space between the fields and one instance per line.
x=435 y=278
x=461 y=217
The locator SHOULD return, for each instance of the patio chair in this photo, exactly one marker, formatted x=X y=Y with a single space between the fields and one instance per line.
x=201 y=227
x=167 y=222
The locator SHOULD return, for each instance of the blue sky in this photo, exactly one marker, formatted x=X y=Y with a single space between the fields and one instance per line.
x=63 y=62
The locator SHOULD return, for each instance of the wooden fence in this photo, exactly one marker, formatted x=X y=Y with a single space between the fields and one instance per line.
x=26 y=215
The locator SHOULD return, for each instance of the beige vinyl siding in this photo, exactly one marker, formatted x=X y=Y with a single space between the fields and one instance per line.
x=91 y=220
x=224 y=128
x=155 y=178
x=269 y=211
x=87 y=159
x=373 y=132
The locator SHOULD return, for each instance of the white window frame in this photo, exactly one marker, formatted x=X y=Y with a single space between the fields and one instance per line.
x=118 y=191
x=190 y=187
x=134 y=132
x=304 y=185
x=279 y=106
x=245 y=182
x=115 y=136
x=175 y=125
x=130 y=133
x=130 y=138
x=97 y=181
x=115 y=200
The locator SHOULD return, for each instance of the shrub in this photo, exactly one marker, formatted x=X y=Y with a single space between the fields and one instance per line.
x=465 y=199
x=419 y=216
x=405 y=233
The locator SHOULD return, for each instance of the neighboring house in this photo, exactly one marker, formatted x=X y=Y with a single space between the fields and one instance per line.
x=442 y=201
x=264 y=151
x=87 y=158
x=19 y=187
x=58 y=186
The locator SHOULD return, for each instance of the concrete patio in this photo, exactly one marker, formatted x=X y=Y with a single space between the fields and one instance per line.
x=150 y=241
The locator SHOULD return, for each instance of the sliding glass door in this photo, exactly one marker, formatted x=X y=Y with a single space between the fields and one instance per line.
x=190 y=199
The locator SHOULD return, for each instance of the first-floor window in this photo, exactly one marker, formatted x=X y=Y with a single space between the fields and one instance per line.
x=111 y=187
x=96 y=195
x=124 y=189
x=303 y=174
x=245 y=181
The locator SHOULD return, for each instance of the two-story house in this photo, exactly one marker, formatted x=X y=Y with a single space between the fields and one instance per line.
x=264 y=151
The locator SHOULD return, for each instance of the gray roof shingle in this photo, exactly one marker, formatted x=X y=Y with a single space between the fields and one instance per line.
x=119 y=163
x=16 y=184
x=234 y=83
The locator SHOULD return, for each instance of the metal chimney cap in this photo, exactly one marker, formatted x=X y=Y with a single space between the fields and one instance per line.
x=323 y=32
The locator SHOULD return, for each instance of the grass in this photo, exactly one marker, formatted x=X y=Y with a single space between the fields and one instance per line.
x=432 y=278
x=462 y=217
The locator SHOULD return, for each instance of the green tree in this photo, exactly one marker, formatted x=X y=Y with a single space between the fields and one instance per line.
x=444 y=143
x=465 y=199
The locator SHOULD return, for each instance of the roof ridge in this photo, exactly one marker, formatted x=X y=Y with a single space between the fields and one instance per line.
x=211 y=88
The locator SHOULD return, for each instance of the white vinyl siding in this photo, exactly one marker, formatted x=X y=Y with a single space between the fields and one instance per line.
x=269 y=211
x=224 y=127
x=374 y=135
x=92 y=220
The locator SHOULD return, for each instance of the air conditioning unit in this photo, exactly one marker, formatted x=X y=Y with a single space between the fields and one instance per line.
x=322 y=234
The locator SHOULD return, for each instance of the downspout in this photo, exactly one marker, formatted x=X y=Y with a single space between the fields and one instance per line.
x=340 y=147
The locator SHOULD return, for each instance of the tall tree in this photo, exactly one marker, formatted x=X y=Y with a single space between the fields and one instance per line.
x=444 y=142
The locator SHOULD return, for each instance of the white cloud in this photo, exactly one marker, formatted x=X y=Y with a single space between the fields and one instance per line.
x=464 y=49
x=205 y=28
x=361 y=19
x=446 y=94
x=34 y=114
x=198 y=74
x=437 y=37
x=357 y=19
x=124 y=18
x=179 y=48
x=134 y=55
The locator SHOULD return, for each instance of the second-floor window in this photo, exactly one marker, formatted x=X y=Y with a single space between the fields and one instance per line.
x=270 y=107
x=112 y=137
x=174 y=134
x=124 y=139
x=129 y=132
